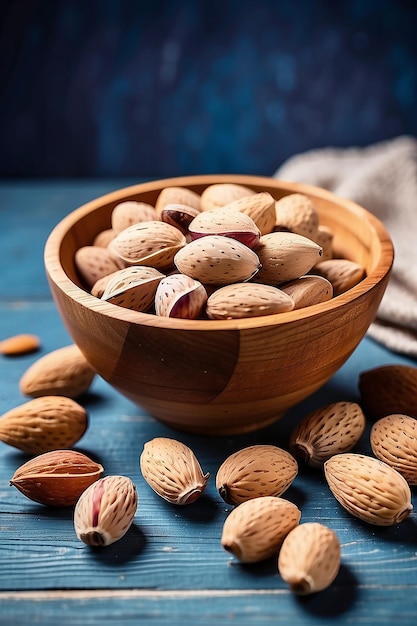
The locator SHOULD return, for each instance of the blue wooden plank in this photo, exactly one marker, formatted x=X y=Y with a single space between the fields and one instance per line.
x=340 y=604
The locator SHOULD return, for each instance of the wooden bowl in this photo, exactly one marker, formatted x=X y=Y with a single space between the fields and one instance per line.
x=220 y=377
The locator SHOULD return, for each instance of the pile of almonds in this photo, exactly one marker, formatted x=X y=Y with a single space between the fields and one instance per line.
x=227 y=253
x=262 y=524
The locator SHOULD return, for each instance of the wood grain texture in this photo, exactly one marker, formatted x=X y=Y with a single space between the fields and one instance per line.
x=170 y=567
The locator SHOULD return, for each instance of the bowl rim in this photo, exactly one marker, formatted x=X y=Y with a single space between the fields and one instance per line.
x=56 y=273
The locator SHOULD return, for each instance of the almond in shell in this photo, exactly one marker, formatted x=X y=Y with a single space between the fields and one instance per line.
x=255 y=471
x=324 y=237
x=260 y=207
x=220 y=194
x=133 y=287
x=368 y=488
x=152 y=243
x=329 y=430
x=255 y=530
x=103 y=238
x=285 y=256
x=394 y=440
x=228 y=223
x=131 y=212
x=105 y=511
x=389 y=389
x=56 y=478
x=177 y=195
x=179 y=215
x=217 y=260
x=44 y=424
x=297 y=213
x=62 y=372
x=94 y=262
x=180 y=296
x=342 y=273
x=308 y=290
x=172 y=470
x=242 y=300
x=309 y=558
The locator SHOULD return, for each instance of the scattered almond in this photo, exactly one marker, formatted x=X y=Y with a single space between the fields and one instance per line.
x=329 y=430
x=389 y=389
x=62 y=372
x=255 y=529
x=44 y=424
x=394 y=440
x=309 y=558
x=368 y=488
x=19 y=344
x=105 y=511
x=56 y=478
x=172 y=470
x=255 y=471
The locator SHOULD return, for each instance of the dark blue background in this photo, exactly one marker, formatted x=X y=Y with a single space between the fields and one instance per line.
x=161 y=88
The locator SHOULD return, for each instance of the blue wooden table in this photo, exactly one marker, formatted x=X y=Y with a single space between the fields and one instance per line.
x=170 y=567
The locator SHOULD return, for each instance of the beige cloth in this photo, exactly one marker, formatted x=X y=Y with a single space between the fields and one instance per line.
x=383 y=179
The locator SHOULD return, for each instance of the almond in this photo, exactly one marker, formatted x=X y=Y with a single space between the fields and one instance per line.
x=105 y=510
x=324 y=238
x=255 y=529
x=172 y=470
x=342 y=273
x=260 y=207
x=180 y=296
x=394 y=440
x=44 y=424
x=228 y=223
x=103 y=238
x=177 y=195
x=56 y=478
x=308 y=290
x=131 y=212
x=217 y=260
x=389 y=389
x=19 y=344
x=329 y=430
x=152 y=243
x=94 y=262
x=220 y=194
x=241 y=300
x=297 y=213
x=309 y=558
x=285 y=256
x=62 y=372
x=133 y=287
x=179 y=215
x=368 y=488
x=255 y=471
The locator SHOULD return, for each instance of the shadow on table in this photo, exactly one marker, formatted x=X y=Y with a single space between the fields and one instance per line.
x=336 y=599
